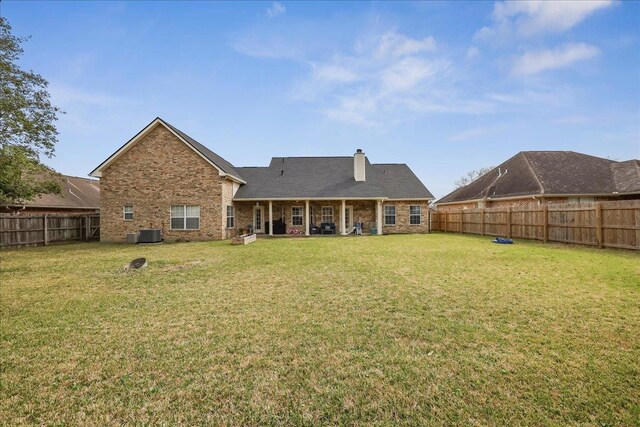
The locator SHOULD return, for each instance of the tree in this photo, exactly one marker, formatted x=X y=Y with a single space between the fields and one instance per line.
x=472 y=176
x=27 y=127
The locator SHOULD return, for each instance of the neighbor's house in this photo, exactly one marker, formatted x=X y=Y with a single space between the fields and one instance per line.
x=543 y=177
x=77 y=196
x=162 y=178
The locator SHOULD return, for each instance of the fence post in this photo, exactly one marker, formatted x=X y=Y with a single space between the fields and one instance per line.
x=509 y=222
x=462 y=221
x=599 y=224
x=545 y=223
x=446 y=216
x=87 y=227
x=482 y=222
x=45 y=229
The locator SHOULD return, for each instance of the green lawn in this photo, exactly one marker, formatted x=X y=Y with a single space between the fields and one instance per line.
x=424 y=329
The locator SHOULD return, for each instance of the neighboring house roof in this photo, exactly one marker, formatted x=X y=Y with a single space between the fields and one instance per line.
x=556 y=173
x=218 y=162
x=77 y=193
x=329 y=177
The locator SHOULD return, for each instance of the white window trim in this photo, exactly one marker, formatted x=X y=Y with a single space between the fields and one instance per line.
x=322 y=221
x=301 y=216
x=124 y=213
x=384 y=215
x=233 y=217
x=185 y=218
x=419 y=215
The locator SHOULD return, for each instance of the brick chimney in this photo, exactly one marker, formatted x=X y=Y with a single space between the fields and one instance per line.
x=359 y=165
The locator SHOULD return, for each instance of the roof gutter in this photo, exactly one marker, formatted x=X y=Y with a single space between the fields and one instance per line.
x=295 y=199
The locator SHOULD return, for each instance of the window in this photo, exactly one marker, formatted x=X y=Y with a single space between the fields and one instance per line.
x=230 y=217
x=296 y=215
x=414 y=215
x=128 y=212
x=327 y=214
x=185 y=217
x=389 y=215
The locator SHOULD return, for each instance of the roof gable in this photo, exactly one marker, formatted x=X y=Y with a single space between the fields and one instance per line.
x=224 y=167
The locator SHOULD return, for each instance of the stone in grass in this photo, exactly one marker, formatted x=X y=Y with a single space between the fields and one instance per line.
x=136 y=264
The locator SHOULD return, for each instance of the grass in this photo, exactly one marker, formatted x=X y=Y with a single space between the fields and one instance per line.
x=416 y=330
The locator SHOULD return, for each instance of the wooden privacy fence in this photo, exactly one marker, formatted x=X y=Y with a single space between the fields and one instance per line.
x=35 y=230
x=613 y=224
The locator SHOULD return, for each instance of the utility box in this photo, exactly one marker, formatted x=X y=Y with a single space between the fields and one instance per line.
x=132 y=238
x=150 y=235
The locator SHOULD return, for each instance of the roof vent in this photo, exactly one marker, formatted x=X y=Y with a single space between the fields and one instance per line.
x=359 y=164
x=281 y=173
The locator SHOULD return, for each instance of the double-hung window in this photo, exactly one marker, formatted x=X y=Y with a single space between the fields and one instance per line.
x=230 y=217
x=185 y=217
x=414 y=215
x=128 y=212
x=327 y=214
x=390 y=215
x=296 y=215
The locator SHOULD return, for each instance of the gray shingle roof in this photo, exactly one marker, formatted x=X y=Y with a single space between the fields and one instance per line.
x=329 y=177
x=551 y=172
x=76 y=192
x=226 y=167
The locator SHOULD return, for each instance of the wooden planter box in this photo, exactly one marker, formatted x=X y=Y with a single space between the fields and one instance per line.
x=245 y=239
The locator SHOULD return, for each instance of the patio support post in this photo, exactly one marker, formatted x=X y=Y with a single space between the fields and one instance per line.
x=270 y=217
x=306 y=218
x=343 y=221
x=379 y=217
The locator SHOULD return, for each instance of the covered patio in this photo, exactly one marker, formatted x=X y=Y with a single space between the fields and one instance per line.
x=309 y=216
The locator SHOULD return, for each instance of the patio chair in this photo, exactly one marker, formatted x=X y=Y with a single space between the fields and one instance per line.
x=328 y=228
x=358 y=228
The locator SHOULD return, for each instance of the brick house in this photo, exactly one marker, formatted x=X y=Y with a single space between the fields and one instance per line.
x=543 y=177
x=77 y=196
x=162 y=178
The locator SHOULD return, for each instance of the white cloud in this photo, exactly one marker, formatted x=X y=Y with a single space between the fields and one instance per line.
x=392 y=44
x=276 y=9
x=335 y=73
x=473 y=52
x=535 y=62
x=408 y=73
x=385 y=79
x=530 y=18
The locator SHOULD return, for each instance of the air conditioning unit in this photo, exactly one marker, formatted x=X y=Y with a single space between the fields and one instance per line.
x=132 y=237
x=151 y=235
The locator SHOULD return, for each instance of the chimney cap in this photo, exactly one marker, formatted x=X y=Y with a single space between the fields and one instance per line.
x=359 y=150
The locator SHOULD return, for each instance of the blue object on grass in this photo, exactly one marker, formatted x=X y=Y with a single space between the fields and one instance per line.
x=503 y=241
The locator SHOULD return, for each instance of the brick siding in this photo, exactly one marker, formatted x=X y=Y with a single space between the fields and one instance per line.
x=156 y=172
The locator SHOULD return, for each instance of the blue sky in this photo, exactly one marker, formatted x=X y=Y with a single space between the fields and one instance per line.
x=444 y=87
